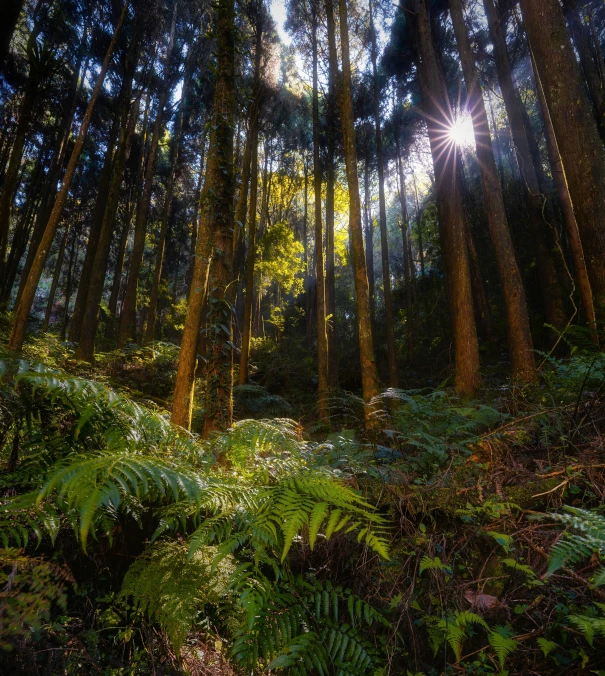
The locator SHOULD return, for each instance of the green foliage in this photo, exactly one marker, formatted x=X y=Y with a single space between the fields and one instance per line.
x=306 y=626
x=432 y=424
x=114 y=461
x=171 y=588
x=455 y=629
x=29 y=587
x=500 y=639
x=588 y=539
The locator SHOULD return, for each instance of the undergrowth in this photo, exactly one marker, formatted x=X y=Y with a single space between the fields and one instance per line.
x=463 y=537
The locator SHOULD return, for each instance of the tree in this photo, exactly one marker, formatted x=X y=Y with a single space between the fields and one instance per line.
x=322 y=336
x=440 y=120
x=369 y=376
x=216 y=218
x=576 y=132
x=519 y=334
x=552 y=297
x=17 y=335
x=382 y=215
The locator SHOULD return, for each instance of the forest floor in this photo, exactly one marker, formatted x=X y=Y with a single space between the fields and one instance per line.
x=471 y=585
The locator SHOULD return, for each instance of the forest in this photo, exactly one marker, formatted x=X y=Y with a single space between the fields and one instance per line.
x=302 y=332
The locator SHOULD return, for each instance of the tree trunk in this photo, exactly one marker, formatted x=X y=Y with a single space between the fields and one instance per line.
x=519 y=333
x=569 y=219
x=11 y=178
x=17 y=335
x=217 y=228
x=53 y=287
x=105 y=178
x=439 y=117
x=161 y=244
x=369 y=241
x=73 y=255
x=331 y=115
x=129 y=307
x=57 y=163
x=98 y=272
x=384 y=242
x=322 y=336
x=116 y=282
x=580 y=32
x=576 y=132
x=369 y=376
x=244 y=363
x=407 y=263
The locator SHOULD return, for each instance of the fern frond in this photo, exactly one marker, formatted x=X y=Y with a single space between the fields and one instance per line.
x=502 y=643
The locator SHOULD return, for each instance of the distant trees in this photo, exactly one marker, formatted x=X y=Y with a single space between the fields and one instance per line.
x=171 y=171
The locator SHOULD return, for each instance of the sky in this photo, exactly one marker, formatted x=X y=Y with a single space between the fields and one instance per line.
x=278 y=12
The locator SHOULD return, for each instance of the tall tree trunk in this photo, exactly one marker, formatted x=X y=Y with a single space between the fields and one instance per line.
x=322 y=336
x=576 y=132
x=407 y=263
x=98 y=272
x=92 y=246
x=57 y=163
x=244 y=362
x=439 y=118
x=580 y=32
x=129 y=307
x=55 y=282
x=331 y=115
x=369 y=241
x=519 y=333
x=161 y=244
x=552 y=296
x=569 y=219
x=116 y=282
x=217 y=228
x=17 y=335
x=73 y=255
x=11 y=178
x=23 y=228
x=369 y=376
x=384 y=242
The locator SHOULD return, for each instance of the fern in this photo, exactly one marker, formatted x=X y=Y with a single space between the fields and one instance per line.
x=171 y=588
x=502 y=643
x=306 y=626
x=455 y=630
x=588 y=539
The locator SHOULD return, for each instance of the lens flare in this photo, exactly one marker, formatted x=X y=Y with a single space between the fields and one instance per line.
x=461 y=133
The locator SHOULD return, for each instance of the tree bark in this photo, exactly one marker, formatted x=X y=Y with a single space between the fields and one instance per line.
x=552 y=296
x=439 y=118
x=161 y=244
x=569 y=219
x=382 y=212
x=331 y=115
x=90 y=318
x=369 y=376
x=322 y=336
x=576 y=132
x=407 y=263
x=129 y=307
x=216 y=240
x=17 y=335
x=580 y=32
x=55 y=282
x=11 y=178
x=92 y=246
x=519 y=333
x=244 y=363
